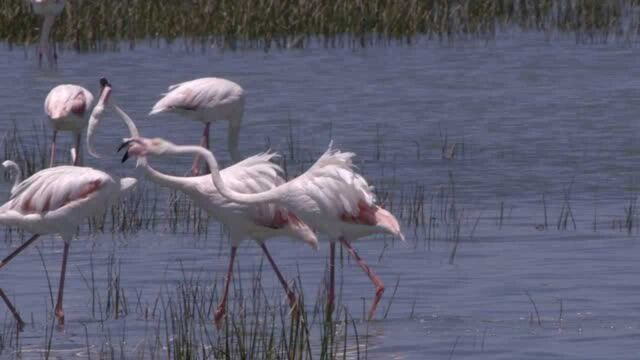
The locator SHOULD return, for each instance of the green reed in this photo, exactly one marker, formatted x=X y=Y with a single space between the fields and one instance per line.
x=98 y=25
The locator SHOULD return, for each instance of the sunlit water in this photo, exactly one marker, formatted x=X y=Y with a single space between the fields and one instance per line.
x=529 y=117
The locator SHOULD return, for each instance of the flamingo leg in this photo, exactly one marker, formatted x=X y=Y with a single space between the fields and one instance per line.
x=332 y=277
x=287 y=290
x=220 y=311
x=204 y=142
x=76 y=159
x=63 y=270
x=372 y=276
x=4 y=262
x=53 y=148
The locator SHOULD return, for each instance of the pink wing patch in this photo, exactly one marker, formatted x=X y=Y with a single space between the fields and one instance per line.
x=366 y=215
x=27 y=206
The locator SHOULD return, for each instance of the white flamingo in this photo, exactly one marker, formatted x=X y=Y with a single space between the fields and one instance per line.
x=56 y=201
x=331 y=197
x=14 y=172
x=207 y=100
x=67 y=107
x=48 y=9
x=259 y=222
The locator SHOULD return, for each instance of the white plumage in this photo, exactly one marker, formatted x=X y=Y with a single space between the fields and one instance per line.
x=55 y=201
x=207 y=100
x=331 y=197
x=244 y=221
x=67 y=107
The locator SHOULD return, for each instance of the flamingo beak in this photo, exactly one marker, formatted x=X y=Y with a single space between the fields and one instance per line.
x=124 y=145
x=104 y=82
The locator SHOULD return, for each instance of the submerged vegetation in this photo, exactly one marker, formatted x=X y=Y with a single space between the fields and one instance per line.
x=95 y=25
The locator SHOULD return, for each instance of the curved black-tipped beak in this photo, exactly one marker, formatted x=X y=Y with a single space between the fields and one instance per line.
x=104 y=82
x=124 y=145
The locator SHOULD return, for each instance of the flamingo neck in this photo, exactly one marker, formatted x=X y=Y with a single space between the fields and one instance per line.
x=267 y=196
x=94 y=120
x=164 y=180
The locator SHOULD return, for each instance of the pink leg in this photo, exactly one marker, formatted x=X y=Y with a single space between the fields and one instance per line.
x=204 y=142
x=63 y=270
x=53 y=148
x=332 y=276
x=374 y=279
x=287 y=290
x=223 y=302
x=4 y=297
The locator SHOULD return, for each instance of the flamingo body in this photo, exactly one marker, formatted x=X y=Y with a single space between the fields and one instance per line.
x=67 y=107
x=336 y=200
x=56 y=200
x=259 y=222
x=207 y=100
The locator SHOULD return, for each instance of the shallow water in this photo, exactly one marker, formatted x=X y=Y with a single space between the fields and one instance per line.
x=530 y=117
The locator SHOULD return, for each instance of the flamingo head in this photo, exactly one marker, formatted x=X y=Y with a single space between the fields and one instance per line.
x=142 y=147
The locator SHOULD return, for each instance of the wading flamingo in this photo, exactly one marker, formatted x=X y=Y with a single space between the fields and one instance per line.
x=331 y=197
x=14 y=172
x=259 y=222
x=207 y=100
x=67 y=107
x=48 y=9
x=55 y=201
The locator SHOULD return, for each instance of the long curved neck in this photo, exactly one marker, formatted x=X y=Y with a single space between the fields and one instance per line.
x=267 y=196
x=17 y=177
x=164 y=180
x=94 y=119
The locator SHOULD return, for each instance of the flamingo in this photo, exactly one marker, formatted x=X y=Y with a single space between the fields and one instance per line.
x=56 y=201
x=331 y=197
x=14 y=172
x=67 y=106
x=207 y=100
x=259 y=222
x=49 y=9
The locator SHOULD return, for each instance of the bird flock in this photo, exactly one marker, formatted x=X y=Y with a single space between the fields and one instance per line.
x=250 y=198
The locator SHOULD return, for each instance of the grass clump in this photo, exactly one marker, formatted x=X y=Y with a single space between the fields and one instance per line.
x=98 y=25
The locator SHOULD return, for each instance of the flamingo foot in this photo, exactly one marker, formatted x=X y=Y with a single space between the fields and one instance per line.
x=219 y=314
x=376 y=300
